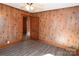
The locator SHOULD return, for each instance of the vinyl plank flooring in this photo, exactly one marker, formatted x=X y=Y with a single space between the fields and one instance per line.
x=32 y=48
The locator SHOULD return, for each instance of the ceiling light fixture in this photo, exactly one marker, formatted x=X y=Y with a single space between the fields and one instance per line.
x=29 y=7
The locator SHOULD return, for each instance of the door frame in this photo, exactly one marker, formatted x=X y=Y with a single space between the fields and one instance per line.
x=24 y=15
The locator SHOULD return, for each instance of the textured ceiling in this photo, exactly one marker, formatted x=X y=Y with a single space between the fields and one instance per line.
x=38 y=7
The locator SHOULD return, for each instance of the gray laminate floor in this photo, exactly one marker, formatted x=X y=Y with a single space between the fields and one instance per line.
x=32 y=48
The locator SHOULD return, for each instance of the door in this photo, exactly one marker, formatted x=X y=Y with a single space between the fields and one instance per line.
x=34 y=28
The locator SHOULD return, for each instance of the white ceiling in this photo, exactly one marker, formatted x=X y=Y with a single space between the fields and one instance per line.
x=38 y=7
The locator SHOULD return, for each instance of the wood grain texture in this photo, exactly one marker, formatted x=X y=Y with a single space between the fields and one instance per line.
x=60 y=26
x=34 y=27
x=11 y=24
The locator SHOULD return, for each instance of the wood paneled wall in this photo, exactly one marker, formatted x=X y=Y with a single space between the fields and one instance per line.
x=11 y=24
x=34 y=27
x=60 y=26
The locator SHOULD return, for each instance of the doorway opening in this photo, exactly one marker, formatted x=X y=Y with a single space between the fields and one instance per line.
x=26 y=26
